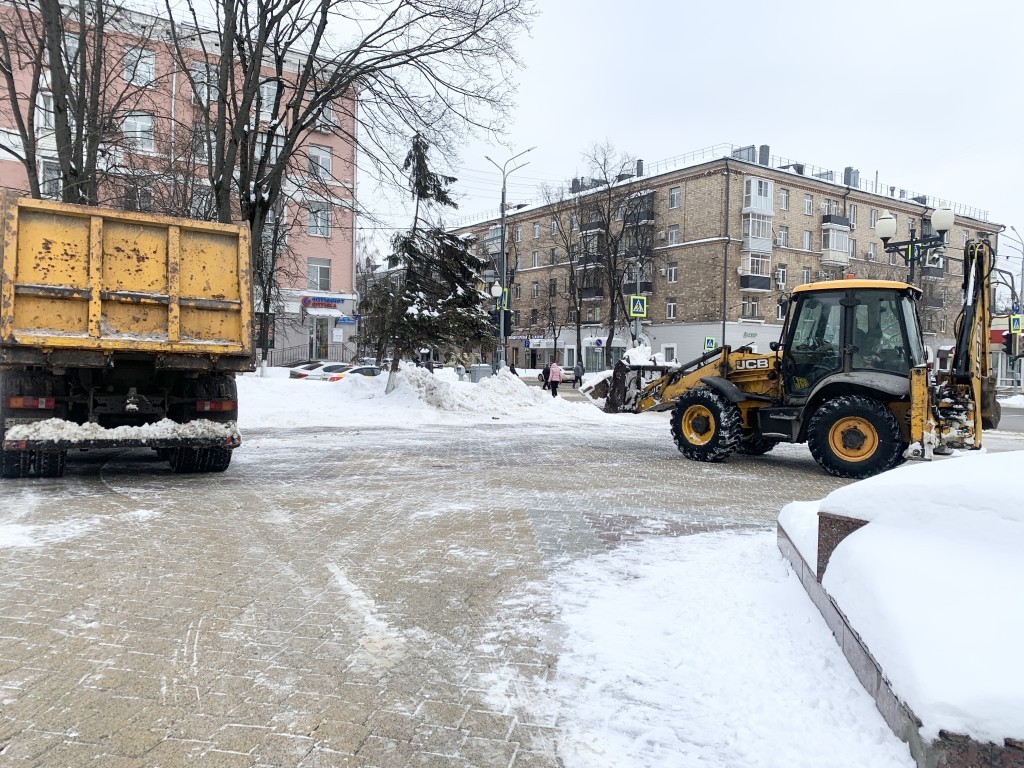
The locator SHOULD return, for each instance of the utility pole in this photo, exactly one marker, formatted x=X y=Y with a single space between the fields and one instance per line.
x=502 y=296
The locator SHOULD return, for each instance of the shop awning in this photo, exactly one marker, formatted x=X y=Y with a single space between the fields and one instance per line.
x=324 y=312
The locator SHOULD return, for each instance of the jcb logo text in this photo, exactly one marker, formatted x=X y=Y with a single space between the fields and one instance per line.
x=744 y=365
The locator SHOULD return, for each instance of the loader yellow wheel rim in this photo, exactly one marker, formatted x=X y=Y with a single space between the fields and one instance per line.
x=698 y=425
x=853 y=439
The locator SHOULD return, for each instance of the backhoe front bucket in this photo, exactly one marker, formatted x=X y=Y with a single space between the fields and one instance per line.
x=623 y=389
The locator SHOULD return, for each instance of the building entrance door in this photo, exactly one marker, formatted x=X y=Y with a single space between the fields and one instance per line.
x=319 y=338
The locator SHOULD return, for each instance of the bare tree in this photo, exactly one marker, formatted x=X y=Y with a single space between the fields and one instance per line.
x=71 y=75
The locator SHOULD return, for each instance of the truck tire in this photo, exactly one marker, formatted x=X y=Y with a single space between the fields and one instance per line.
x=50 y=463
x=14 y=464
x=854 y=436
x=217 y=459
x=705 y=425
x=755 y=445
x=185 y=461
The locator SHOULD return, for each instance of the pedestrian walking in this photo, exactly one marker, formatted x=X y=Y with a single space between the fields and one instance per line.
x=577 y=373
x=554 y=377
x=512 y=369
x=545 y=374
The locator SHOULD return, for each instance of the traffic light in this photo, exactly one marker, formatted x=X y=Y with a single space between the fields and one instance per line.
x=496 y=316
x=1010 y=344
x=507 y=317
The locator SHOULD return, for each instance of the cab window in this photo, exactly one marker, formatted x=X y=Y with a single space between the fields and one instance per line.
x=878 y=340
x=815 y=342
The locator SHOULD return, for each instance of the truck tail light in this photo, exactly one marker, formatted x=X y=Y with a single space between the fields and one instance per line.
x=216 y=406
x=33 y=403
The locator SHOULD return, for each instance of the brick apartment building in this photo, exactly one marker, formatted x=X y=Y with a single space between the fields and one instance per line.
x=159 y=115
x=729 y=230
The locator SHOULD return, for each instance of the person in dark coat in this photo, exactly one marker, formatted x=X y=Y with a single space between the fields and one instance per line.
x=577 y=373
x=545 y=373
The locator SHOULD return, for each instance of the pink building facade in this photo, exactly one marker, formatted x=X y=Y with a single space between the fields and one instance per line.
x=313 y=317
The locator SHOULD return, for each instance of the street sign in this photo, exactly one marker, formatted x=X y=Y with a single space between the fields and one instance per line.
x=526 y=343
x=638 y=306
x=1015 y=323
x=597 y=342
x=709 y=343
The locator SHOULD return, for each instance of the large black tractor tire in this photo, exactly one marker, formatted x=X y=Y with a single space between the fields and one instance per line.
x=755 y=445
x=854 y=436
x=706 y=426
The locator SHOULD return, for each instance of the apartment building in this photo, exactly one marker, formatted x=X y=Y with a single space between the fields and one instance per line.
x=720 y=235
x=161 y=142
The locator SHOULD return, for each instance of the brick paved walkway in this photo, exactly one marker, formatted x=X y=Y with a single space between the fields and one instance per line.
x=354 y=598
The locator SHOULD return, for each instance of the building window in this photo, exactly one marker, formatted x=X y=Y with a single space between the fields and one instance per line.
x=873 y=217
x=673 y=234
x=670 y=308
x=554 y=256
x=519 y=233
x=806 y=245
x=853 y=248
x=912 y=224
x=835 y=240
x=554 y=226
x=516 y=320
x=517 y=293
x=534 y=314
x=574 y=223
x=780 y=276
x=553 y=286
x=44 y=110
x=319 y=274
x=534 y=290
x=326 y=121
x=138 y=131
x=805 y=275
x=782 y=240
x=268 y=95
x=673 y=271
x=275 y=142
x=892 y=259
x=319 y=162
x=50 y=179
x=673 y=197
x=757 y=225
x=853 y=215
x=552 y=314
x=757 y=193
x=319 y=224
x=138 y=199
x=760 y=264
x=871 y=251
x=204 y=83
x=668 y=351
x=139 y=66
x=808 y=204
x=749 y=307
x=967 y=236
x=780 y=311
x=620 y=212
x=593 y=314
x=536 y=258
x=783 y=199
x=536 y=230
x=571 y=315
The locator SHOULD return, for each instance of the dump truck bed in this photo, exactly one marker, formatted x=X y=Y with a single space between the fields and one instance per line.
x=102 y=281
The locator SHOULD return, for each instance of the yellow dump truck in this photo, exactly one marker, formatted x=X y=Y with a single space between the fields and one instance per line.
x=119 y=329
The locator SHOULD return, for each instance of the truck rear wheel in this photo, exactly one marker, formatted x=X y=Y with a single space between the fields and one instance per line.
x=705 y=425
x=217 y=459
x=185 y=461
x=854 y=436
x=15 y=464
x=50 y=463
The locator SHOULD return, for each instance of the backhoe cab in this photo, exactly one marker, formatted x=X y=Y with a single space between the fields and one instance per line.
x=849 y=377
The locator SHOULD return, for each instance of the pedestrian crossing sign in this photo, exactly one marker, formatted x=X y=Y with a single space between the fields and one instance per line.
x=638 y=306
x=1015 y=323
x=709 y=343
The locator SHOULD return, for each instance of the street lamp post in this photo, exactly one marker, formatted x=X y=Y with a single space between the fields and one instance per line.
x=916 y=248
x=503 y=273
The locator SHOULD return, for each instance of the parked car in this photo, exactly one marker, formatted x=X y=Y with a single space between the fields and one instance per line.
x=318 y=371
x=355 y=370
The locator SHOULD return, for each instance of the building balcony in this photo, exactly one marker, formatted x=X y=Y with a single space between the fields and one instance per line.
x=931 y=302
x=640 y=218
x=831 y=258
x=591 y=226
x=755 y=283
x=832 y=219
x=758 y=244
x=595 y=292
x=933 y=273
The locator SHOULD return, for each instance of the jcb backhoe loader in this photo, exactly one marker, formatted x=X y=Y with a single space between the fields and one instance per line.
x=849 y=377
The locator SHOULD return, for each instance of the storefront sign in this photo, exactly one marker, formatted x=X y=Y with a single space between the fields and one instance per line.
x=322 y=302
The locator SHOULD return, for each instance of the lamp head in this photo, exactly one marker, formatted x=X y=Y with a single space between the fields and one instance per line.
x=942 y=220
x=885 y=227
x=496 y=290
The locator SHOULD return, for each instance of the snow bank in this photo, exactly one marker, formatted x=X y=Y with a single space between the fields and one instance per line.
x=1016 y=401
x=419 y=397
x=933 y=586
x=704 y=650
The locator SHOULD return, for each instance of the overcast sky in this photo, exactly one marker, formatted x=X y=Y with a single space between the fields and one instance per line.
x=927 y=93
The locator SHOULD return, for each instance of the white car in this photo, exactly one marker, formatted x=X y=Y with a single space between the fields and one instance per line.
x=318 y=371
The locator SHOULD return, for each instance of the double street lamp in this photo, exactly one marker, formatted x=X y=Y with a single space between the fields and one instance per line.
x=916 y=248
x=499 y=290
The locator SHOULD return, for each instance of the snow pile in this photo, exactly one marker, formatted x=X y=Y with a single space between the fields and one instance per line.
x=1016 y=401
x=704 y=650
x=932 y=585
x=58 y=429
x=419 y=397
